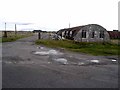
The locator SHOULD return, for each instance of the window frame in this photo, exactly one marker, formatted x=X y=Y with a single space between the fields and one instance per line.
x=93 y=34
x=83 y=34
x=101 y=35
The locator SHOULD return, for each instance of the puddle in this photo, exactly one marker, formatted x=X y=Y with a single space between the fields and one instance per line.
x=49 y=62
x=114 y=60
x=41 y=47
x=53 y=52
x=50 y=52
x=61 y=61
x=81 y=63
x=94 y=61
x=61 y=58
x=42 y=53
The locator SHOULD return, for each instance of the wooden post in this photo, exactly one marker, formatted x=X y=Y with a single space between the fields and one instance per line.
x=5 y=32
x=39 y=35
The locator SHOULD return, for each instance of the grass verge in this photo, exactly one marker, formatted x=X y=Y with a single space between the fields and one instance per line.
x=13 y=38
x=83 y=47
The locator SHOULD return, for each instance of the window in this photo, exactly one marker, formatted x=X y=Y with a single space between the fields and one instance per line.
x=93 y=34
x=65 y=32
x=83 y=33
x=101 y=34
x=70 y=33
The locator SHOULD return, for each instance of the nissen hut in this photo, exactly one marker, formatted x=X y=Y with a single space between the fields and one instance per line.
x=86 y=33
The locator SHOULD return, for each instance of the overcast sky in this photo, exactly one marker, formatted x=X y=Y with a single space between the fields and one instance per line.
x=57 y=14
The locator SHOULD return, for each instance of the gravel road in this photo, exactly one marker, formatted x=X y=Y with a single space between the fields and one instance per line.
x=26 y=65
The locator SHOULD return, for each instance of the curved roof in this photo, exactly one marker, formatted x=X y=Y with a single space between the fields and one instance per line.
x=78 y=28
x=95 y=25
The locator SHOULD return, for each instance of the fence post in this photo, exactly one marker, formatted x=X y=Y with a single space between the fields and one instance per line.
x=5 y=34
x=39 y=35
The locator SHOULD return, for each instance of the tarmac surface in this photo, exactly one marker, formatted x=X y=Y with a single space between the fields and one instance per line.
x=26 y=65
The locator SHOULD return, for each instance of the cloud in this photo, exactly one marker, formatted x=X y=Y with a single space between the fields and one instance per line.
x=58 y=13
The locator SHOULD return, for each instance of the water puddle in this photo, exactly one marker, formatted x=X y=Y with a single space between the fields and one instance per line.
x=54 y=56
x=41 y=53
x=53 y=52
x=114 y=60
x=49 y=52
x=94 y=61
x=41 y=47
x=61 y=61
x=81 y=63
x=57 y=57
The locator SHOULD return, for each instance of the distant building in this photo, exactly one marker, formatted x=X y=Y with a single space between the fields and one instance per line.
x=36 y=31
x=115 y=34
x=86 y=33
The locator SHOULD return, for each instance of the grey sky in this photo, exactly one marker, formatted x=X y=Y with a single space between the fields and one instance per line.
x=56 y=14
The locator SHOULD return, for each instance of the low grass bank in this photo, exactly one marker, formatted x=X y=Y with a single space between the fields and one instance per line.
x=14 y=38
x=115 y=41
x=88 y=48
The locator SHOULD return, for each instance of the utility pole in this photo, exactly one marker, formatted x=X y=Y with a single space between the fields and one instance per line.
x=69 y=24
x=5 y=32
x=15 y=29
x=5 y=26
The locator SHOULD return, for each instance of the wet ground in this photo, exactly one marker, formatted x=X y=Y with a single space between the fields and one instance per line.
x=26 y=65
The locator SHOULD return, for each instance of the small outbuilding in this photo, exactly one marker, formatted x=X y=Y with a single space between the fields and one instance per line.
x=115 y=34
x=37 y=31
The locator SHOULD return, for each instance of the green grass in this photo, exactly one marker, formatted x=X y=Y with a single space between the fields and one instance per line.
x=83 y=47
x=115 y=41
x=13 y=38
